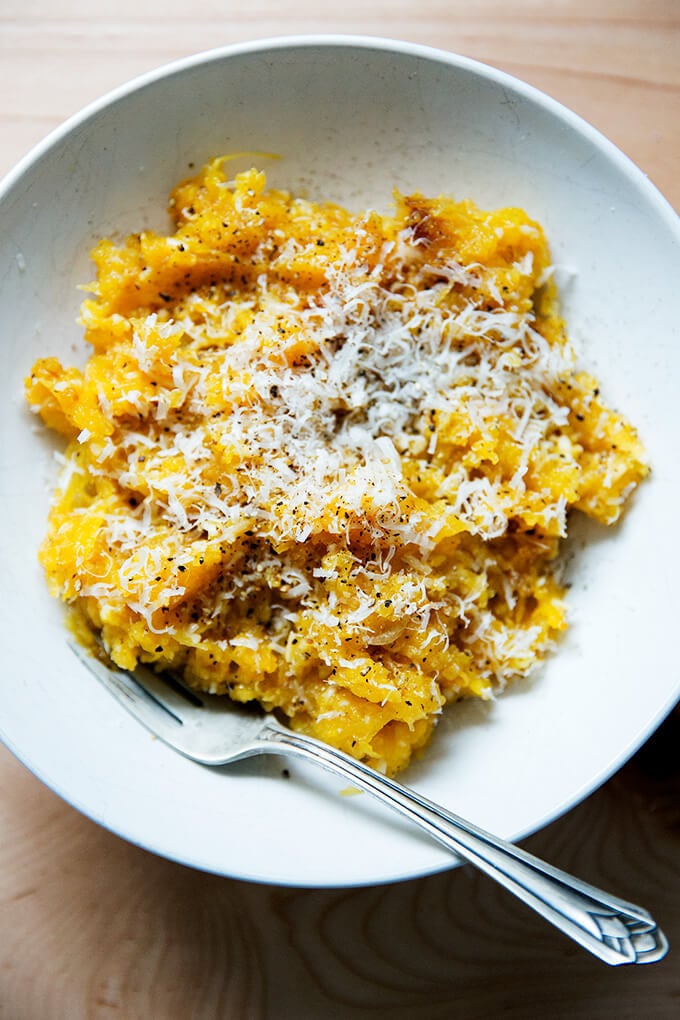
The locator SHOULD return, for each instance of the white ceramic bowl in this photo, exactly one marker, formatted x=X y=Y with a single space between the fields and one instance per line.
x=351 y=118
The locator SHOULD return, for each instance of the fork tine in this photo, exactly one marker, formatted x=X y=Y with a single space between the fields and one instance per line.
x=169 y=692
x=144 y=695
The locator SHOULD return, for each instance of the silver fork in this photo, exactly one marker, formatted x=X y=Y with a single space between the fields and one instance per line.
x=213 y=730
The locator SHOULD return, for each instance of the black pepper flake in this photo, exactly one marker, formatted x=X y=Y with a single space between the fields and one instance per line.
x=165 y=297
x=181 y=568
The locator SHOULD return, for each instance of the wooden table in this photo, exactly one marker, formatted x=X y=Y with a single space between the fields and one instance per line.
x=91 y=926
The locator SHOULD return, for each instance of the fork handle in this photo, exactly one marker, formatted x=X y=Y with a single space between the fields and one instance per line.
x=612 y=929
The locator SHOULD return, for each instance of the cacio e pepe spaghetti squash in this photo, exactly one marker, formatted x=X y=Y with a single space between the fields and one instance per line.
x=324 y=459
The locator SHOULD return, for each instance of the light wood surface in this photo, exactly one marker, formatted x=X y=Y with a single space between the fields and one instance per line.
x=92 y=927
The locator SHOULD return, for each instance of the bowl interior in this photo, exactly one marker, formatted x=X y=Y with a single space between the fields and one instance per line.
x=349 y=120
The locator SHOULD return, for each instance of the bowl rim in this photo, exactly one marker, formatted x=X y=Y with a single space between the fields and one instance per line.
x=382 y=44
x=343 y=41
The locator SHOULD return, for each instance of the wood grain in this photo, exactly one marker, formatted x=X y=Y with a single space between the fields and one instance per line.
x=93 y=927
x=615 y=63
